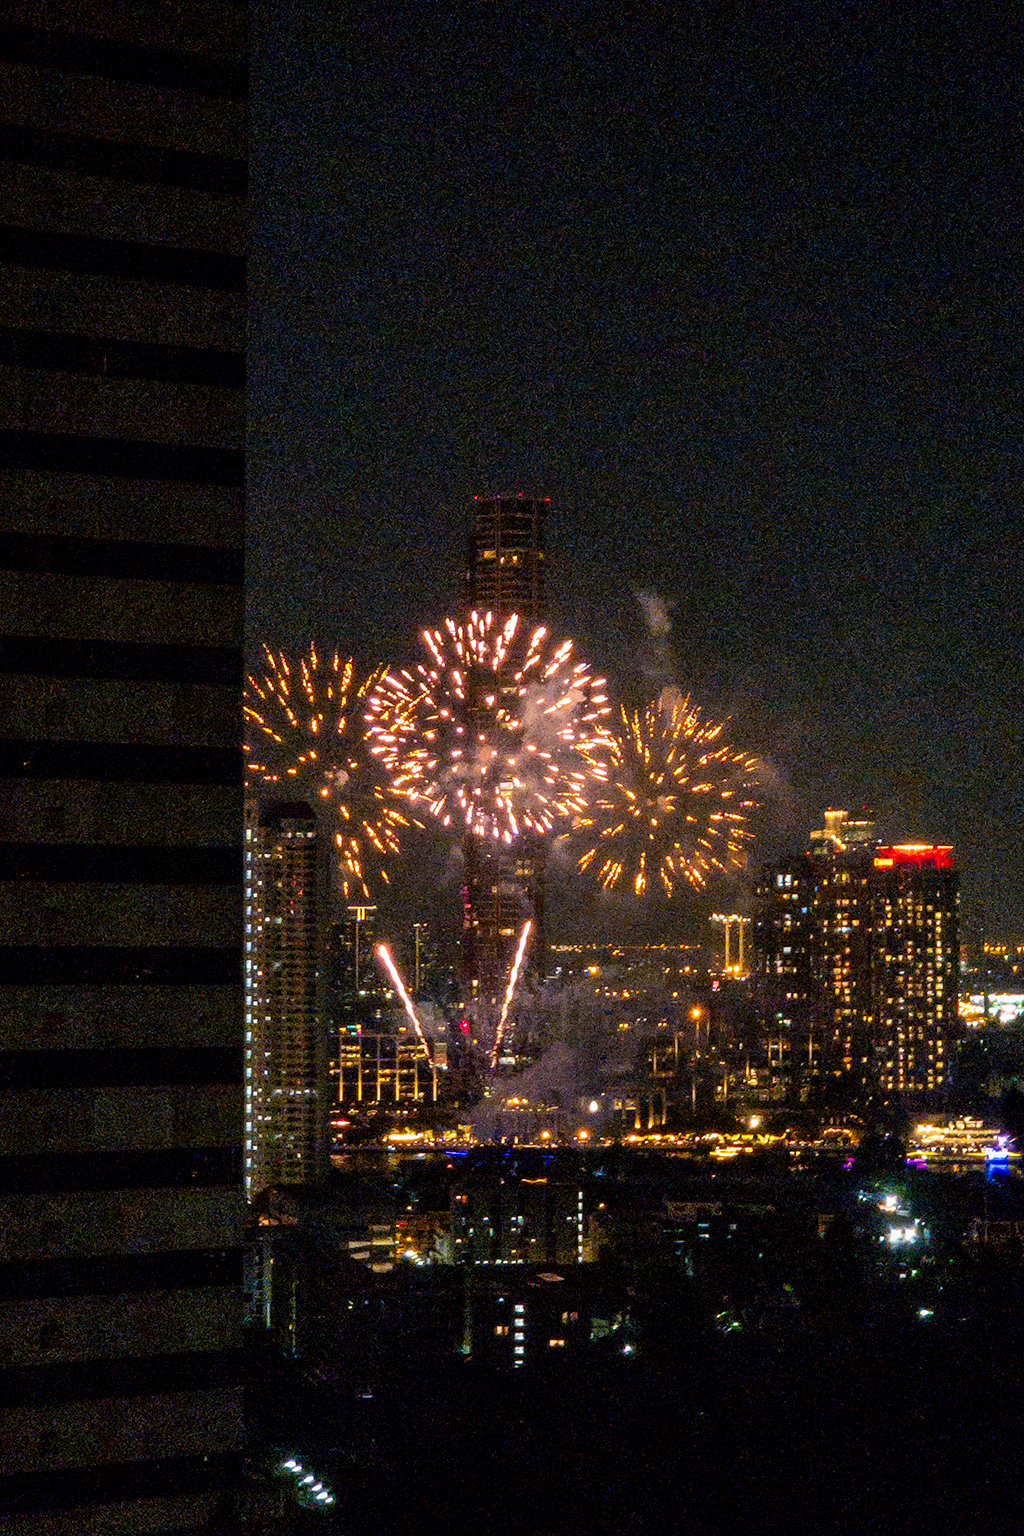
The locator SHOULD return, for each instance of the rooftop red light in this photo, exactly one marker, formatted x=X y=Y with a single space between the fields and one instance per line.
x=920 y=855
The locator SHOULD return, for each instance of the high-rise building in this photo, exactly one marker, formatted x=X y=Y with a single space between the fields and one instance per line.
x=504 y=575
x=843 y=918
x=286 y=1073
x=786 y=969
x=505 y=556
x=856 y=947
x=122 y=471
x=355 y=989
x=915 y=961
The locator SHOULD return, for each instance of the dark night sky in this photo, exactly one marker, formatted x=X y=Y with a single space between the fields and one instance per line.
x=742 y=300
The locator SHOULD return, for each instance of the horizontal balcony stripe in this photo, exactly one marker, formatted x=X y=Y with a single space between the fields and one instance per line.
x=124 y=660
x=95 y=255
x=117 y=1482
x=121 y=763
x=122 y=559
x=79 y=53
x=111 y=358
x=118 y=864
x=122 y=1274
x=148 y=1376
x=143 y=164
x=122 y=1066
x=120 y=458
x=74 y=1172
x=67 y=965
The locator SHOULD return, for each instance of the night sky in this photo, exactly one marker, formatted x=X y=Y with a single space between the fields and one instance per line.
x=743 y=300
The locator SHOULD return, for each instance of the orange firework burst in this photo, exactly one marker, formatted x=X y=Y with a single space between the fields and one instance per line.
x=305 y=734
x=676 y=801
x=498 y=732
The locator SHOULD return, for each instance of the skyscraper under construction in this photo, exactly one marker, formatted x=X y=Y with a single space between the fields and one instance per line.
x=504 y=575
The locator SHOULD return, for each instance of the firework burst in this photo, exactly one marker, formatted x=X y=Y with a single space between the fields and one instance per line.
x=305 y=733
x=498 y=732
x=676 y=801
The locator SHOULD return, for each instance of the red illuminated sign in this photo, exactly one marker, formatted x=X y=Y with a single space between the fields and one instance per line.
x=919 y=855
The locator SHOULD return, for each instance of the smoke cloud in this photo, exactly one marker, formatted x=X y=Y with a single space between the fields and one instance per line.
x=657 y=612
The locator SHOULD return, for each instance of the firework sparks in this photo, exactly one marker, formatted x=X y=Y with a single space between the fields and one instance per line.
x=498 y=732
x=676 y=801
x=384 y=956
x=305 y=733
x=513 y=978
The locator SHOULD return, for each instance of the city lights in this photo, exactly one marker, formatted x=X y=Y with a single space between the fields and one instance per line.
x=308 y=1486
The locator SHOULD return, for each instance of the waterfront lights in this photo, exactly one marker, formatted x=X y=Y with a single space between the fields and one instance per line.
x=308 y=1486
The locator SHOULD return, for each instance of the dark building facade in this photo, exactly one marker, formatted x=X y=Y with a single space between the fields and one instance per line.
x=519 y=1221
x=504 y=575
x=786 y=964
x=122 y=328
x=356 y=995
x=843 y=917
x=505 y=556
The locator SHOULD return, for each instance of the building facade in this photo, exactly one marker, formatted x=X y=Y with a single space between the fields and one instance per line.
x=375 y=1070
x=122 y=464
x=505 y=556
x=504 y=575
x=916 y=960
x=286 y=1074
x=786 y=964
x=857 y=949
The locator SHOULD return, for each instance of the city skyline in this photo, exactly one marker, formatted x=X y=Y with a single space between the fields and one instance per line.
x=511 y=1057
x=746 y=385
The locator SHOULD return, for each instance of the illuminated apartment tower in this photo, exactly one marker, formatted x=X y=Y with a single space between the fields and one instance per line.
x=122 y=488
x=915 y=954
x=286 y=1079
x=504 y=575
x=857 y=944
x=842 y=853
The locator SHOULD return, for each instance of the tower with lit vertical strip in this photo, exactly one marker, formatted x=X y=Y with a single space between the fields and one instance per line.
x=504 y=575
x=286 y=1082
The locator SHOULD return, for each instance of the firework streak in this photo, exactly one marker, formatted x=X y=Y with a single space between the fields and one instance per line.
x=384 y=956
x=513 y=977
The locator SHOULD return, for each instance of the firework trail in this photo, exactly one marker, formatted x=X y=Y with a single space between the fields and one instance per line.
x=513 y=977
x=384 y=956
x=498 y=732
x=675 y=803
x=305 y=731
